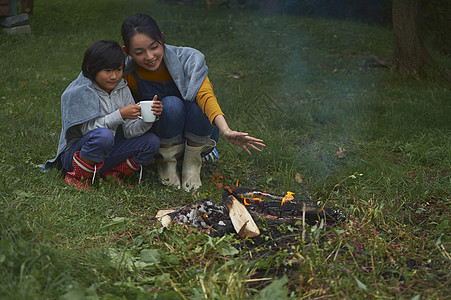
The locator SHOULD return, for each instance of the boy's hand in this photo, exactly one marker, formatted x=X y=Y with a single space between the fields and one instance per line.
x=131 y=111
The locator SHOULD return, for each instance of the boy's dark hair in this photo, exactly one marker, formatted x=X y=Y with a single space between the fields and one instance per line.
x=140 y=23
x=102 y=55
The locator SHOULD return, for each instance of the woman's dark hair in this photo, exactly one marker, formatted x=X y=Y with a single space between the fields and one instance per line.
x=140 y=23
x=102 y=55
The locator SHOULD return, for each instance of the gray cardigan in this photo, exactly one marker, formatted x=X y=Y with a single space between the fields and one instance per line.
x=85 y=106
x=186 y=66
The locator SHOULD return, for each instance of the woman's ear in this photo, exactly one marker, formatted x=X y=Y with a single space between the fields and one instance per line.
x=124 y=49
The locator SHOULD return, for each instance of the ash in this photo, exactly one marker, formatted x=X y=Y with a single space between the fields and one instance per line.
x=206 y=216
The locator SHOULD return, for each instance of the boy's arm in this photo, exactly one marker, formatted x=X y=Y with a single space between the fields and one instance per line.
x=110 y=121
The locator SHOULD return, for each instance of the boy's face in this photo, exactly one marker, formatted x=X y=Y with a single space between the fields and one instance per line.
x=107 y=79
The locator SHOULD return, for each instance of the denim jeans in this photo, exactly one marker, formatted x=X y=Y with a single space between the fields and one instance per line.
x=101 y=145
x=180 y=119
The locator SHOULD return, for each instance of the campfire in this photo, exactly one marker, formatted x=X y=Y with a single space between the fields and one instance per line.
x=243 y=208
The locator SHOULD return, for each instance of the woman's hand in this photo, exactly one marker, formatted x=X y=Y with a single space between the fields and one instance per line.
x=240 y=139
x=243 y=140
x=131 y=111
x=157 y=106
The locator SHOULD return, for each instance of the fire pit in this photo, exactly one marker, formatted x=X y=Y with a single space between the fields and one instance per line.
x=242 y=210
x=210 y=218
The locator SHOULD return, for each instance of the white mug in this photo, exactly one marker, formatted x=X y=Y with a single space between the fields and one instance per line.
x=146 y=111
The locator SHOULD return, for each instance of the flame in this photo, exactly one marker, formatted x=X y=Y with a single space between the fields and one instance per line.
x=271 y=217
x=287 y=197
x=245 y=200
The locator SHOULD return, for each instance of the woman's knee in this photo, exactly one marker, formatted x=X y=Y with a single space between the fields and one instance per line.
x=192 y=109
x=196 y=122
x=173 y=108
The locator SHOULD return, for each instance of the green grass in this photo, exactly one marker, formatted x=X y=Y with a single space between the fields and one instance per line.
x=303 y=87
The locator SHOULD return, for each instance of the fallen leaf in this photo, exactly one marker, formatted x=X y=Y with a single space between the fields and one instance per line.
x=325 y=66
x=218 y=179
x=236 y=75
x=299 y=178
x=341 y=152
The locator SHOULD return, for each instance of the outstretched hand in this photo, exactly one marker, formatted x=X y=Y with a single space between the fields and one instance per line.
x=243 y=140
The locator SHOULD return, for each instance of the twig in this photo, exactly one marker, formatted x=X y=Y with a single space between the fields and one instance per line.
x=303 y=223
x=248 y=280
x=192 y=195
x=338 y=249
x=258 y=279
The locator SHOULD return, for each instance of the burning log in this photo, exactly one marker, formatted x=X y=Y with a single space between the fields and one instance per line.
x=163 y=215
x=242 y=207
x=241 y=218
x=283 y=209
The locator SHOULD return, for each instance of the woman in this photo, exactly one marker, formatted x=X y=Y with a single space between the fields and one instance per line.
x=191 y=113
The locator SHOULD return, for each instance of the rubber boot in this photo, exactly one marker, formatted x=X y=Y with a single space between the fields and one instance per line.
x=126 y=168
x=82 y=173
x=167 y=165
x=192 y=164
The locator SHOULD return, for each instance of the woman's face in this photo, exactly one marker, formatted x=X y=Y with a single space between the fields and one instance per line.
x=146 y=52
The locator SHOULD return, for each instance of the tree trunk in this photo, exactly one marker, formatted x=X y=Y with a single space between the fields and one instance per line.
x=410 y=54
